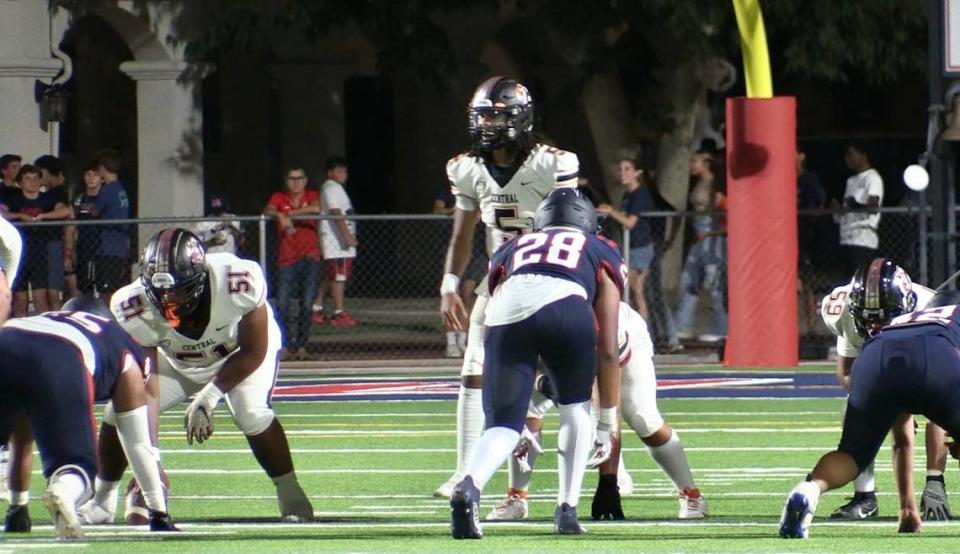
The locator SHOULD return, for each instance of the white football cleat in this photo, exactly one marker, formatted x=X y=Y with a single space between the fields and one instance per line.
x=513 y=508
x=692 y=504
x=798 y=512
x=62 y=512
x=92 y=513
x=446 y=489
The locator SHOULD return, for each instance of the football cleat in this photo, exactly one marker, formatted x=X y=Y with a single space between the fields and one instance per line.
x=161 y=522
x=692 y=504
x=606 y=501
x=513 y=508
x=798 y=512
x=62 y=512
x=17 y=520
x=565 y=521
x=863 y=505
x=446 y=489
x=465 y=510
x=92 y=513
x=933 y=502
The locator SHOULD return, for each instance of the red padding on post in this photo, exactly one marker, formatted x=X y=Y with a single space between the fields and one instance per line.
x=762 y=227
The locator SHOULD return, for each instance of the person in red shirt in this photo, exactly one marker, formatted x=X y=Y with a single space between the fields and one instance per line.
x=298 y=261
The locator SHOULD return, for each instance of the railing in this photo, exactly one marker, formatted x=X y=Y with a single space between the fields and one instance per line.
x=393 y=290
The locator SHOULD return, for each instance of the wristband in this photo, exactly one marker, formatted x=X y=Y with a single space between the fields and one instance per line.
x=449 y=284
x=607 y=417
x=210 y=395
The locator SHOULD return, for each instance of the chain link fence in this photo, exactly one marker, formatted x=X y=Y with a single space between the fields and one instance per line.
x=392 y=292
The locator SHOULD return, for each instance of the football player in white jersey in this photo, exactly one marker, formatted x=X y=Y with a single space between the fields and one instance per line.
x=501 y=180
x=853 y=312
x=207 y=321
x=11 y=245
x=638 y=405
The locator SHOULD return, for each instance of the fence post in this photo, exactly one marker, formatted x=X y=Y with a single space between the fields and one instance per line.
x=262 y=235
x=625 y=233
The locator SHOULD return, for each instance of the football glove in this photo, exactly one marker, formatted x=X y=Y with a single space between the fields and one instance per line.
x=603 y=440
x=198 y=419
x=527 y=442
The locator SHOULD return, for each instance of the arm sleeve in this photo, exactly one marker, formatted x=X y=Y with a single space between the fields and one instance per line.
x=11 y=245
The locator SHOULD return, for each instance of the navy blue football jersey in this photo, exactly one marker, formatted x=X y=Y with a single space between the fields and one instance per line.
x=559 y=252
x=106 y=349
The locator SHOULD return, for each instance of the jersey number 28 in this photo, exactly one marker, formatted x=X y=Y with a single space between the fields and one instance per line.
x=564 y=249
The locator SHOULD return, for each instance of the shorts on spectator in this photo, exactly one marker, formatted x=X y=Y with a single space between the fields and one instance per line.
x=338 y=269
x=33 y=273
x=103 y=274
x=641 y=257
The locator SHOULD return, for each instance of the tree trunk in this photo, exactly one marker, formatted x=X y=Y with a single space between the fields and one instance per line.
x=673 y=161
x=611 y=125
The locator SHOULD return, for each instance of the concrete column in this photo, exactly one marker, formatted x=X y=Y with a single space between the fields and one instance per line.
x=24 y=58
x=169 y=124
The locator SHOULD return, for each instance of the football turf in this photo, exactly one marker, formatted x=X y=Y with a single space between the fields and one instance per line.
x=370 y=468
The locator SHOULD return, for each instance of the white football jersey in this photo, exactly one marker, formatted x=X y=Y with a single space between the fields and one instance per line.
x=834 y=308
x=508 y=210
x=237 y=288
x=633 y=337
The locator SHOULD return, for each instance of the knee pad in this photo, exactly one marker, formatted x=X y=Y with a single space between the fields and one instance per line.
x=109 y=416
x=254 y=421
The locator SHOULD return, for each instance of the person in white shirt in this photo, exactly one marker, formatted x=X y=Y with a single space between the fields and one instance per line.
x=339 y=241
x=219 y=235
x=858 y=231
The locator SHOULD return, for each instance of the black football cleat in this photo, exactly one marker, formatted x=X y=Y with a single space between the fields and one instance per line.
x=17 y=520
x=465 y=510
x=565 y=521
x=863 y=505
x=606 y=501
x=161 y=522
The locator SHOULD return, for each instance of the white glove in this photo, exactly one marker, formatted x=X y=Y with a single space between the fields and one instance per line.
x=198 y=420
x=527 y=442
x=92 y=513
x=603 y=440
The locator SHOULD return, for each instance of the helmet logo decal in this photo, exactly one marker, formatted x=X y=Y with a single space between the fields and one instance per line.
x=162 y=280
x=522 y=94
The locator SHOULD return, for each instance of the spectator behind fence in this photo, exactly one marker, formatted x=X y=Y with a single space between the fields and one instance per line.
x=810 y=196
x=445 y=203
x=298 y=261
x=706 y=261
x=663 y=231
x=59 y=252
x=220 y=235
x=636 y=200
x=339 y=244
x=102 y=250
x=9 y=168
x=31 y=205
x=859 y=239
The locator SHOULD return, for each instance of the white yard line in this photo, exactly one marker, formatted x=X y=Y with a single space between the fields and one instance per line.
x=203 y=450
x=388 y=432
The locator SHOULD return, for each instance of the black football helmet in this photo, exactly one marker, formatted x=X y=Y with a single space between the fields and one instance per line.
x=566 y=207
x=879 y=292
x=500 y=113
x=87 y=303
x=173 y=272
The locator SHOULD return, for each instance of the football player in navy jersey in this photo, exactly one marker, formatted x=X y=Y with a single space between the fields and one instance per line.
x=911 y=366
x=53 y=366
x=555 y=294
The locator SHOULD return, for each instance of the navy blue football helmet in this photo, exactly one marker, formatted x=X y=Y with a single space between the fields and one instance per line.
x=879 y=292
x=500 y=113
x=173 y=271
x=566 y=207
x=87 y=303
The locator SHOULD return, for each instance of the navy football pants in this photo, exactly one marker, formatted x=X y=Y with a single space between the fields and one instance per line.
x=564 y=334
x=44 y=377
x=915 y=370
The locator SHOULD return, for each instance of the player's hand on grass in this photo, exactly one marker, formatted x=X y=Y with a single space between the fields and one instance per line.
x=602 y=445
x=909 y=521
x=453 y=311
x=198 y=419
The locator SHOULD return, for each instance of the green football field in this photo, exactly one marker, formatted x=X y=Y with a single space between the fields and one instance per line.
x=370 y=467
